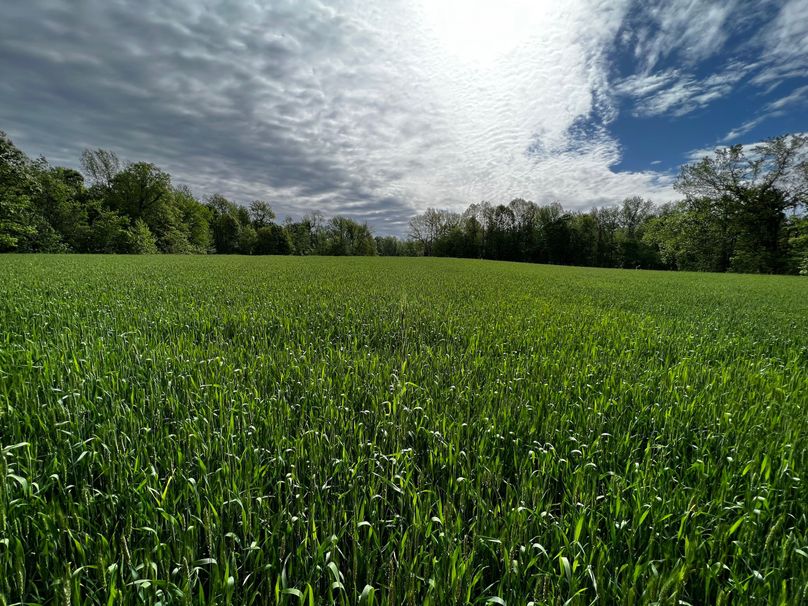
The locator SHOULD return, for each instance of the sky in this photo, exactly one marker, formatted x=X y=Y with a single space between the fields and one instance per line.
x=378 y=110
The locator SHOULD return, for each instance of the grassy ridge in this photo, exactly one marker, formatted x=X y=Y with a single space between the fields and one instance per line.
x=399 y=431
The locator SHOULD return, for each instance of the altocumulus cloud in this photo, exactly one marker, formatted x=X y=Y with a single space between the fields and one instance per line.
x=373 y=110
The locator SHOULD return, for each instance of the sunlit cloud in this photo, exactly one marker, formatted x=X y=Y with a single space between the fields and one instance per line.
x=373 y=110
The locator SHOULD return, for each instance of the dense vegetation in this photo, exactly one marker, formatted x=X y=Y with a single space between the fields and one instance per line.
x=234 y=430
x=135 y=209
x=742 y=210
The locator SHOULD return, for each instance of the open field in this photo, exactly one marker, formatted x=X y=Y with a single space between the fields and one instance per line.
x=399 y=431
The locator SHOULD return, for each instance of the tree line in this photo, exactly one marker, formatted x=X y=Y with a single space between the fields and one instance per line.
x=135 y=209
x=742 y=209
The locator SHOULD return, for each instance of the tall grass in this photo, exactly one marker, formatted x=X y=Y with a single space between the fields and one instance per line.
x=399 y=432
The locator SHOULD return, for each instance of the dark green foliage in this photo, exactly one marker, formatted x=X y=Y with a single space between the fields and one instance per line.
x=390 y=246
x=261 y=213
x=128 y=209
x=524 y=231
x=194 y=219
x=225 y=224
x=798 y=244
x=304 y=236
x=273 y=240
x=744 y=195
x=62 y=201
x=142 y=191
x=735 y=218
x=344 y=236
x=743 y=211
x=247 y=239
x=109 y=233
x=140 y=239
x=688 y=238
x=17 y=186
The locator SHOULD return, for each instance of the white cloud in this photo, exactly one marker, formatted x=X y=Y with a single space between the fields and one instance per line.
x=798 y=96
x=376 y=110
x=643 y=85
x=743 y=128
x=787 y=35
x=694 y=29
x=673 y=93
x=688 y=32
x=784 y=45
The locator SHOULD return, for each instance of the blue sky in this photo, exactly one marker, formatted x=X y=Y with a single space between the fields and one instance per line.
x=752 y=107
x=378 y=110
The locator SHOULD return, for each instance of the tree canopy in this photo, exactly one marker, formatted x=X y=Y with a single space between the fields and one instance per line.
x=743 y=208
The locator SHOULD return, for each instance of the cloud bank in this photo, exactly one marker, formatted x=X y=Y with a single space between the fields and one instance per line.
x=371 y=110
